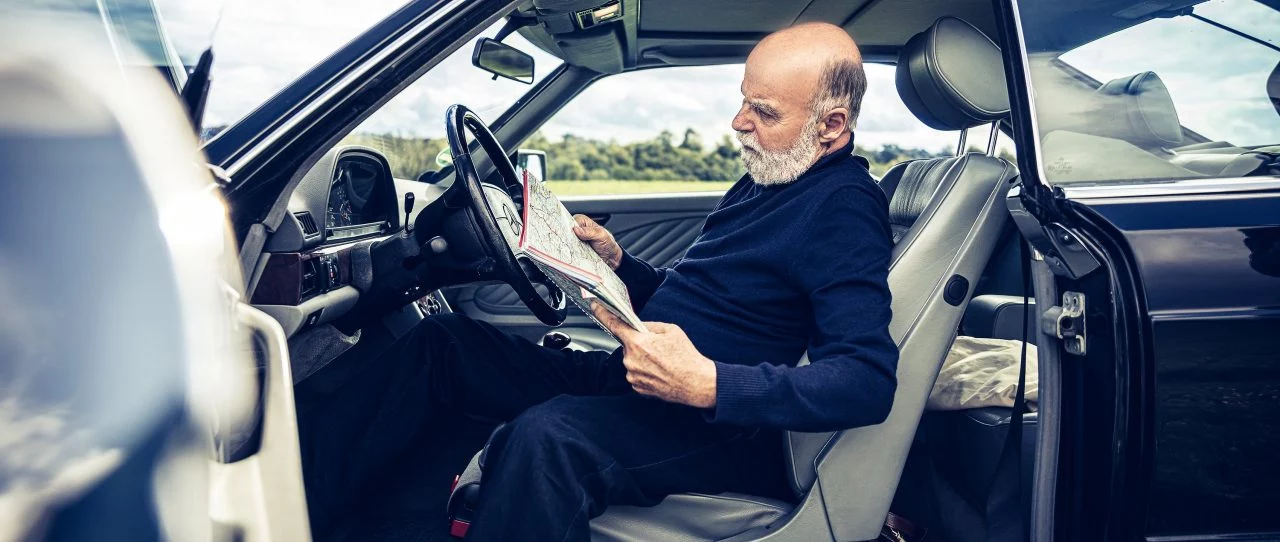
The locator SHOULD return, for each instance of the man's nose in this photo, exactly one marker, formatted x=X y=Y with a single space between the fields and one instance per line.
x=740 y=122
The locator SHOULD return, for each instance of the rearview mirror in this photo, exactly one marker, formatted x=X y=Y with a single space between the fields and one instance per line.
x=503 y=60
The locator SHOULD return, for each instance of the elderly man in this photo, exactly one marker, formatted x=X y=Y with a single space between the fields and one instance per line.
x=793 y=259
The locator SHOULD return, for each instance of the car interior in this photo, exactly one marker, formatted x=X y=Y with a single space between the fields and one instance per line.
x=955 y=269
x=957 y=266
x=359 y=254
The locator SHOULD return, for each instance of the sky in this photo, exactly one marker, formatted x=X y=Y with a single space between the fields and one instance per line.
x=263 y=45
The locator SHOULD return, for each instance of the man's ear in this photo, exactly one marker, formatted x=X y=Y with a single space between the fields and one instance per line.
x=834 y=124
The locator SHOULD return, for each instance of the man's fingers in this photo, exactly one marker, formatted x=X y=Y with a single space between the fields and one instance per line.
x=586 y=229
x=616 y=326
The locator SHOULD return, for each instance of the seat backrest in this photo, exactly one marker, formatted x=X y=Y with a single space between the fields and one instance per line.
x=947 y=216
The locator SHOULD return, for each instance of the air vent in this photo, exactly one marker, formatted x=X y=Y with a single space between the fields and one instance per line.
x=308 y=223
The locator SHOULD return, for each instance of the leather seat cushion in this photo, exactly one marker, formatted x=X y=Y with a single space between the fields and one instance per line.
x=679 y=517
x=910 y=187
x=688 y=516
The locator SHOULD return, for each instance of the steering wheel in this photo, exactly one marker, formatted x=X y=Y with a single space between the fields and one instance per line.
x=495 y=214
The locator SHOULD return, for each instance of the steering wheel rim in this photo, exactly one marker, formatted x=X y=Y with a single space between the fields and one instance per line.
x=507 y=266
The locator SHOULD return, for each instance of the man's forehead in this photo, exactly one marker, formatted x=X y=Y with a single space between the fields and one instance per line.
x=775 y=85
x=758 y=91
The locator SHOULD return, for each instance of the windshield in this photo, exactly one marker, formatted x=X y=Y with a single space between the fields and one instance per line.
x=260 y=47
x=409 y=129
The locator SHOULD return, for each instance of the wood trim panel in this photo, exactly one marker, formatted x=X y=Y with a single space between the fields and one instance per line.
x=282 y=279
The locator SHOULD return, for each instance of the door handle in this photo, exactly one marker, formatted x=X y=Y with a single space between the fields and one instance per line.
x=600 y=218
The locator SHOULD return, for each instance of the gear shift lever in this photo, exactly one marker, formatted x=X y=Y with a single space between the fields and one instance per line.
x=556 y=340
x=408 y=209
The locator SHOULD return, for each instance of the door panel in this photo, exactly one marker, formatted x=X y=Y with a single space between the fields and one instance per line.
x=1210 y=272
x=657 y=228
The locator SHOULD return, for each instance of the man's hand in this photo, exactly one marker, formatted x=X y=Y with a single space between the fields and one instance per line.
x=663 y=363
x=600 y=240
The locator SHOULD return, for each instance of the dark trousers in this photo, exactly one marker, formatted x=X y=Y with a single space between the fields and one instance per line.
x=579 y=439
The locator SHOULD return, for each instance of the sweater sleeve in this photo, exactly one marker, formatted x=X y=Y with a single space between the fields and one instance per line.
x=642 y=279
x=850 y=382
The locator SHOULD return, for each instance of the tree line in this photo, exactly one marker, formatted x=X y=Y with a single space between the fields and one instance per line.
x=577 y=158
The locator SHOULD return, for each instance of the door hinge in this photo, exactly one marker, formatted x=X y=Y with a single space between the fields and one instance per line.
x=1066 y=322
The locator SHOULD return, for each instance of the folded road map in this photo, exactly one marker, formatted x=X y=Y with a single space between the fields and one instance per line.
x=548 y=240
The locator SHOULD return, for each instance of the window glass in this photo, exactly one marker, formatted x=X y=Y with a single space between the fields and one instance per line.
x=260 y=47
x=1126 y=93
x=668 y=130
x=410 y=129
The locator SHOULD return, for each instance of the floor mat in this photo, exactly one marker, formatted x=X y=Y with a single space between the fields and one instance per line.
x=408 y=505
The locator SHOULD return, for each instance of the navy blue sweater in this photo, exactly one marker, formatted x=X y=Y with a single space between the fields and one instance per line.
x=778 y=270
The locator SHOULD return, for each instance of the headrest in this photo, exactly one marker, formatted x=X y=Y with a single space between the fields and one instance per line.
x=1143 y=115
x=951 y=76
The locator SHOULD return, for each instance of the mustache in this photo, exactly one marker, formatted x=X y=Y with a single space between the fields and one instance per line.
x=748 y=141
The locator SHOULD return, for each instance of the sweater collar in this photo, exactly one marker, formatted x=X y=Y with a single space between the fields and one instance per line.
x=826 y=161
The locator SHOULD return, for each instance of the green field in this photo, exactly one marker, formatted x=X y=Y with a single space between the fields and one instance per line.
x=595 y=188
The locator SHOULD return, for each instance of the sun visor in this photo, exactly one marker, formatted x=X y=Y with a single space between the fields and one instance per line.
x=595 y=34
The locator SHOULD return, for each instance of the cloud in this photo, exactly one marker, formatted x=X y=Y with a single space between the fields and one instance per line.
x=261 y=47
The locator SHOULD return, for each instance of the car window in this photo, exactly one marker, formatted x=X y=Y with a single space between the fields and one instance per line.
x=410 y=129
x=260 y=47
x=1124 y=92
x=668 y=130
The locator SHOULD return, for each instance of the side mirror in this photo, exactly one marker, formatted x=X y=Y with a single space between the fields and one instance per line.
x=535 y=162
x=503 y=60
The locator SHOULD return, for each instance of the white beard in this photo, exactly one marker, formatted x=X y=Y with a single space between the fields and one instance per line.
x=779 y=167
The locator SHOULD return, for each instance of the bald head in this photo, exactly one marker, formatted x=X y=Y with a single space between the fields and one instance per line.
x=805 y=49
x=817 y=61
x=803 y=79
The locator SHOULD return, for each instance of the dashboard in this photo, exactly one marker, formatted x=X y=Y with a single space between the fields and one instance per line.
x=318 y=258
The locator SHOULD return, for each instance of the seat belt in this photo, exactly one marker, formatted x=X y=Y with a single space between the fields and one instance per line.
x=1006 y=516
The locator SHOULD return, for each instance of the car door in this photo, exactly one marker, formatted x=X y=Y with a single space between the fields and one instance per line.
x=1154 y=200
